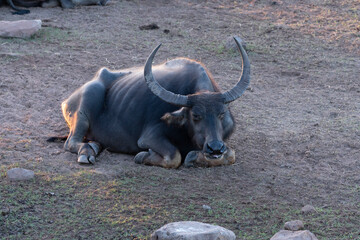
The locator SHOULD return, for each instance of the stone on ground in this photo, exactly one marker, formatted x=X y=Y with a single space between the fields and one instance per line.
x=291 y=235
x=308 y=209
x=5 y=211
x=19 y=29
x=206 y=207
x=294 y=225
x=190 y=230
x=19 y=174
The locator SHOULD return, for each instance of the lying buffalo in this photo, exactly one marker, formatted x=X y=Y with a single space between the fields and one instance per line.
x=48 y=3
x=18 y=11
x=166 y=116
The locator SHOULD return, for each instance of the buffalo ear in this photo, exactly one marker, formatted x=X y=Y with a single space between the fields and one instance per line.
x=178 y=117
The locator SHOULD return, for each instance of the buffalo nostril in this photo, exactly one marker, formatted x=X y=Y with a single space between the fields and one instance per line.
x=209 y=148
x=223 y=148
x=215 y=147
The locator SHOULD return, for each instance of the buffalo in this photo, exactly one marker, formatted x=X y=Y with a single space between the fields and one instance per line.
x=48 y=3
x=169 y=114
x=18 y=10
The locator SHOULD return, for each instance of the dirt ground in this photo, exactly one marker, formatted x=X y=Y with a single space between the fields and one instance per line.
x=297 y=140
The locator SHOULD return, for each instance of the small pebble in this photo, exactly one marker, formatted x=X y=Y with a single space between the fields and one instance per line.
x=308 y=209
x=206 y=207
x=151 y=26
x=5 y=211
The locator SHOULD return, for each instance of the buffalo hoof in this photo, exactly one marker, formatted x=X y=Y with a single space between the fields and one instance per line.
x=95 y=147
x=103 y=2
x=87 y=153
x=191 y=158
x=50 y=3
x=67 y=4
x=83 y=159
x=198 y=159
x=140 y=157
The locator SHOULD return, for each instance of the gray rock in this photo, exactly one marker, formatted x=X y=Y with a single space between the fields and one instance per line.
x=20 y=174
x=231 y=45
x=206 y=207
x=19 y=29
x=5 y=211
x=308 y=209
x=297 y=235
x=294 y=225
x=189 y=230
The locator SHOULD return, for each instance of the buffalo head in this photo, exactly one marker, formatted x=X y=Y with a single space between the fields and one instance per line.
x=204 y=114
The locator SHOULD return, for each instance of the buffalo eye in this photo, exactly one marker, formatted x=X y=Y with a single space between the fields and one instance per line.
x=196 y=117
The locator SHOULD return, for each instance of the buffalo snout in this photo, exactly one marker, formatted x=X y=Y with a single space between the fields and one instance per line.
x=215 y=148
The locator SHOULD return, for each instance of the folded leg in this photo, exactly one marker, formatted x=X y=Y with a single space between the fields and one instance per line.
x=161 y=152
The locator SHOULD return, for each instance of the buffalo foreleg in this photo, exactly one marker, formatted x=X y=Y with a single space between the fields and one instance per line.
x=198 y=159
x=67 y=4
x=160 y=152
x=154 y=159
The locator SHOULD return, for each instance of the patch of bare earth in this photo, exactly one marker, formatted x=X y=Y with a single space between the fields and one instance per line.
x=298 y=130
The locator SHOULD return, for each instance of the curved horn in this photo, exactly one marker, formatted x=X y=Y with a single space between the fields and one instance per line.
x=244 y=81
x=157 y=89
